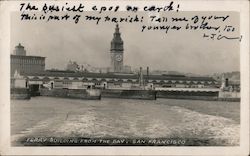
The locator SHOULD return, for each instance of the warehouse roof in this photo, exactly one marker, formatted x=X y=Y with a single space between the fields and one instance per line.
x=50 y=73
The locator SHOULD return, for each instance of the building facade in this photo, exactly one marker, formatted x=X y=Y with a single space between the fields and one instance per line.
x=116 y=52
x=73 y=80
x=25 y=64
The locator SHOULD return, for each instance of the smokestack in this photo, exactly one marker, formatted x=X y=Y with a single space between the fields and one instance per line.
x=147 y=71
x=226 y=84
x=141 y=77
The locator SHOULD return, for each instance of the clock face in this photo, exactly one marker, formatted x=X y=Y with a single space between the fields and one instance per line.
x=118 y=57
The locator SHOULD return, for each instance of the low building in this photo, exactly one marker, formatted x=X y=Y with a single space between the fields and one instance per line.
x=78 y=80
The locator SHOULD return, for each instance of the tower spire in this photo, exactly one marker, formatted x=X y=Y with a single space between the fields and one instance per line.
x=117 y=43
x=117 y=28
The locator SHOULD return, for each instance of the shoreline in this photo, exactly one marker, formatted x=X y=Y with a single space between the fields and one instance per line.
x=97 y=94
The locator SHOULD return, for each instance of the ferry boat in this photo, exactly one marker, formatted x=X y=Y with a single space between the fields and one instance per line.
x=88 y=93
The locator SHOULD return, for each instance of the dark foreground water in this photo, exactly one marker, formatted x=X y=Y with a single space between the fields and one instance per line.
x=197 y=122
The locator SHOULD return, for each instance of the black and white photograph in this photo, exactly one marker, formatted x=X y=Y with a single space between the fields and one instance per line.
x=115 y=75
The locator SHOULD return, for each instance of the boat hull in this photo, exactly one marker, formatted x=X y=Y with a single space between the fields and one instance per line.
x=192 y=95
x=129 y=94
x=92 y=94
x=19 y=94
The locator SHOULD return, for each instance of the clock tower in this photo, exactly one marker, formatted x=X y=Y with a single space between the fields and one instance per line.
x=116 y=51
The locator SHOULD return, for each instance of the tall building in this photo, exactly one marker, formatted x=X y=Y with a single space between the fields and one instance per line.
x=116 y=51
x=25 y=64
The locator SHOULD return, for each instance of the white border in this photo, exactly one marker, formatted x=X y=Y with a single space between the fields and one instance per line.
x=5 y=149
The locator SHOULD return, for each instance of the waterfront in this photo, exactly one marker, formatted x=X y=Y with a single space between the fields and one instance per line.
x=218 y=122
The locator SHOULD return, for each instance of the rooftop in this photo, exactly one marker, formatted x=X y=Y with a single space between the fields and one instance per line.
x=22 y=56
x=20 y=46
x=61 y=73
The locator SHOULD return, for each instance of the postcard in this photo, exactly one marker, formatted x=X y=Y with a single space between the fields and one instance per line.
x=124 y=77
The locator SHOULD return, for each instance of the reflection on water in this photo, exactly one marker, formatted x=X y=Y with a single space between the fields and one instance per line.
x=45 y=116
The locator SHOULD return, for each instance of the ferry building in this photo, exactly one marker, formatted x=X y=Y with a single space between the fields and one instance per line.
x=32 y=68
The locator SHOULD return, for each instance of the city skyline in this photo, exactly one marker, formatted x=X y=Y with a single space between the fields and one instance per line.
x=89 y=43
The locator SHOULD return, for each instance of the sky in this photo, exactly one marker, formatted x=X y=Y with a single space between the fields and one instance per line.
x=86 y=42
